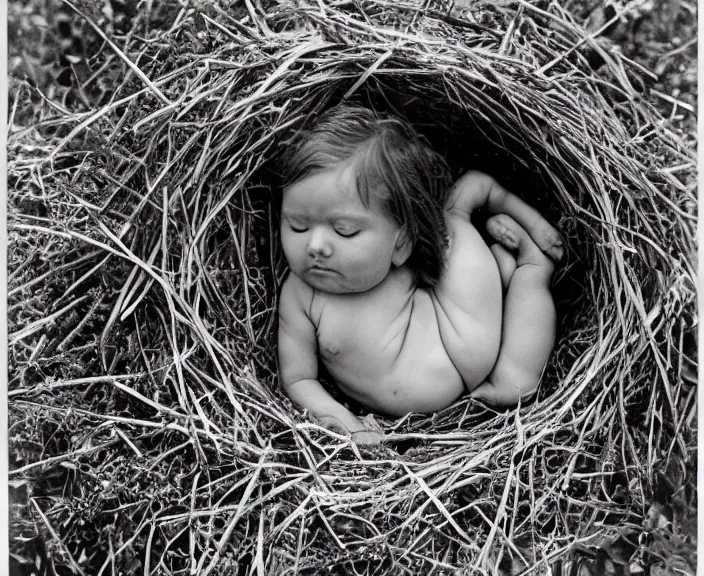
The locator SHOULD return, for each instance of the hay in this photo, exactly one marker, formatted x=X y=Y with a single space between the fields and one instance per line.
x=147 y=430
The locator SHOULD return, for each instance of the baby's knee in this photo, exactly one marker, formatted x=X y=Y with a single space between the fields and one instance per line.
x=513 y=382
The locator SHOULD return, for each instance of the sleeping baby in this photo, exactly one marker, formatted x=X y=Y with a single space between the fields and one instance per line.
x=391 y=285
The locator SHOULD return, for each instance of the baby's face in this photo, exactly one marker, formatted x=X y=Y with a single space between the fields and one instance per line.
x=331 y=240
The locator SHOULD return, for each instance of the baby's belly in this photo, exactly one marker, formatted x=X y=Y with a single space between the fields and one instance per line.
x=412 y=373
x=426 y=390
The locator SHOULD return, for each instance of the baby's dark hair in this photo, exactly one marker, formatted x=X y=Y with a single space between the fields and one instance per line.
x=393 y=162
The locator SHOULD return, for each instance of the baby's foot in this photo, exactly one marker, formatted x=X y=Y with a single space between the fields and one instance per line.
x=511 y=235
x=507 y=231
x=503 y=229
x=549 y=241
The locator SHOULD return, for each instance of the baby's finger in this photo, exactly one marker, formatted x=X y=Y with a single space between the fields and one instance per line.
x=370 y=423
x=367 y=438
x=332 y=423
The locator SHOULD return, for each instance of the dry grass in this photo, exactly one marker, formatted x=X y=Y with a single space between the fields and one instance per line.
x=147 y=431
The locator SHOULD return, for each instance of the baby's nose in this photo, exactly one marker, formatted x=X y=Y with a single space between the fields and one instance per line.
x=318 y=244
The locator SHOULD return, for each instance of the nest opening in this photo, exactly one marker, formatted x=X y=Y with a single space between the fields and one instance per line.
x=467 y=141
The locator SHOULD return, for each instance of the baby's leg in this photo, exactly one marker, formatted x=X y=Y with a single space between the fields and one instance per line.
x=474 y=190
x=528 y=331
x=506 y=263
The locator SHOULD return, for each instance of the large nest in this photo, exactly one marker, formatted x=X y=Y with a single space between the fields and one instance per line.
x=148 y=430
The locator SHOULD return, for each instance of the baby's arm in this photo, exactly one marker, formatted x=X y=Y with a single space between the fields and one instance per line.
x=475 y=190
x=298 y=362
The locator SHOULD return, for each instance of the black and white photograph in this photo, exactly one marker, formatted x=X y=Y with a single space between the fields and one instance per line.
x=351 y=287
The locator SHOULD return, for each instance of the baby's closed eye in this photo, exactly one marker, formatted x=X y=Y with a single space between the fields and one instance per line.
x=347 y=234
x=296 y=225
x=346 y=230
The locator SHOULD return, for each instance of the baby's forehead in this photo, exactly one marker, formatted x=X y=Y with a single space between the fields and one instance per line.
x=311 y=212
x=335 y=188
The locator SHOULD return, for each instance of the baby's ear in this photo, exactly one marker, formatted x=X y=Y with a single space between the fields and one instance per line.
x=402 y=249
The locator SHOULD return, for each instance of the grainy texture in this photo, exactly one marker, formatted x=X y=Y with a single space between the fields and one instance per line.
x=147 y=432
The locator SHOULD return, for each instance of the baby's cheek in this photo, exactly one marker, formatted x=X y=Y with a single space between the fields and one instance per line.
x=287 y=254
x=291 y=248
x=358 y=261
x=373 y=268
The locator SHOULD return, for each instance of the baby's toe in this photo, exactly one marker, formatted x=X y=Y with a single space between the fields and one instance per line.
x=552 y=244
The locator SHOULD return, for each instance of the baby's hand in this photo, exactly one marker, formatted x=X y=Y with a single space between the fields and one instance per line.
x=367 y=437
x=333 y=423
x=366 y=432
x=371 y=435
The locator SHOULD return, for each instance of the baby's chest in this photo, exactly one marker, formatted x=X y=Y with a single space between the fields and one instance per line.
x=345 y=331
x=392 y=359
x=363 y=326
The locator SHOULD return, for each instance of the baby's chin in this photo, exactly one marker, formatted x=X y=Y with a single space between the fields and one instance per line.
x=334 y=283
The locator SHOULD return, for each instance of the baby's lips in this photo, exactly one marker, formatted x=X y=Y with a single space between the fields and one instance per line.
x=319 y=268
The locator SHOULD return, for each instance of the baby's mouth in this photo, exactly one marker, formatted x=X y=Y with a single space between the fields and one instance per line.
x=319 y=268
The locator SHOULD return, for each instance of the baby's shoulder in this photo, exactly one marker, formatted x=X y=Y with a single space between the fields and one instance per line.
x=295 y=294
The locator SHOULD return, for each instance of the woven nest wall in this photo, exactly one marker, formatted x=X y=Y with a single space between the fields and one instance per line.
x=145 y=359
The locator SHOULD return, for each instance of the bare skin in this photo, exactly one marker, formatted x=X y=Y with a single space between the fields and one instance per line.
x=396 y=348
